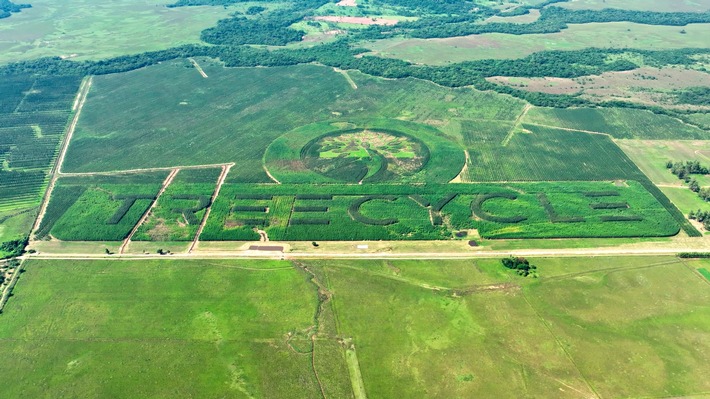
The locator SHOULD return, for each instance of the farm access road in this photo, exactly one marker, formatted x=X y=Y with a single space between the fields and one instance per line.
x=355 y=254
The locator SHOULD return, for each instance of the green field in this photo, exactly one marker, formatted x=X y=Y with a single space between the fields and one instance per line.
x=651 y=157
x=620 y=123
x=181 y=208
x=430 y=158
x=435 y=212
x=84 y=30
x=640 y=5
x=509 y=46
x=137 y=120
x=534 y=153
x=417 y=328
x=33 y=115
x=14 y=224
x=685 y=200
x=98 y=208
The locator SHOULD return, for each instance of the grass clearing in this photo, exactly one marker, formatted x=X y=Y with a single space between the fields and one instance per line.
x=646 y=85
x=475 y=330
x=639 y=5
x=425 y=339
x=139 y=328
x=509 y=46
x=17 y=223
x=685 y=199
x=83 y=30
x=651 y=157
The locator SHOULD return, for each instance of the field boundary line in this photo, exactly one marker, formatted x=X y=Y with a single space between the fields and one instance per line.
x=692 y=269
x=156 y=169
x=270 y=175
x=516 y=125
x=220 y=181
x=569 y=129
x=22 y=102
x=464 y=169
x=242 y=254
x=347 y=77
x=13 y=281
x=84 y=88
x=562 y=347
x=135 y=228
x=198 y=67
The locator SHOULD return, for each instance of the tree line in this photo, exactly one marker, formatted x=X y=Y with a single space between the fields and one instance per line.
x=7 y=7
x=232 y=41
x=552 y=20
x=684 y=171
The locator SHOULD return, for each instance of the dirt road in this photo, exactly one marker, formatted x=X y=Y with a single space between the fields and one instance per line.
x=463 y=254
x=165 y=185
x=220 y=182
x=57 y=168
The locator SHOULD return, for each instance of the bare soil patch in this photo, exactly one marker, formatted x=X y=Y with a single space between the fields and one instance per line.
x=358 y=20
x=161 y=232
x=652 y=86
x=347 y=3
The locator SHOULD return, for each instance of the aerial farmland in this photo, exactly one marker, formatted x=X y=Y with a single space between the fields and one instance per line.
x=353 y=199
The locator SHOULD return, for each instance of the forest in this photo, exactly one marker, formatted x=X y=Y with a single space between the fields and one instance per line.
x=233 y=39
x=7 y=7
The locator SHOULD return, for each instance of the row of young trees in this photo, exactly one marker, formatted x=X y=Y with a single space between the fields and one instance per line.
x=684 y=169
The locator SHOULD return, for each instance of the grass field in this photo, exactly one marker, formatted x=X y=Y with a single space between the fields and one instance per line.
x=159 y=329
x=620 y=123
x=508 y=46
x=235 y=114
x=14 y=224
x=640 y=5
x=651 y=157
x=685 y=199
x=84 y=30
x=646 y=85
x=417 y=328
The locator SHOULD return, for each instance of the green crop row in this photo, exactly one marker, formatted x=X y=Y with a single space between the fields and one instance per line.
x=181 y=208
x=361 y=212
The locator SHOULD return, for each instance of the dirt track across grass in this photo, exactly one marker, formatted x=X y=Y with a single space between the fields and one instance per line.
x=198 y=67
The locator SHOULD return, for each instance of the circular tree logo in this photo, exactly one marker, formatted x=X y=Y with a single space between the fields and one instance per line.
x=365 y=155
